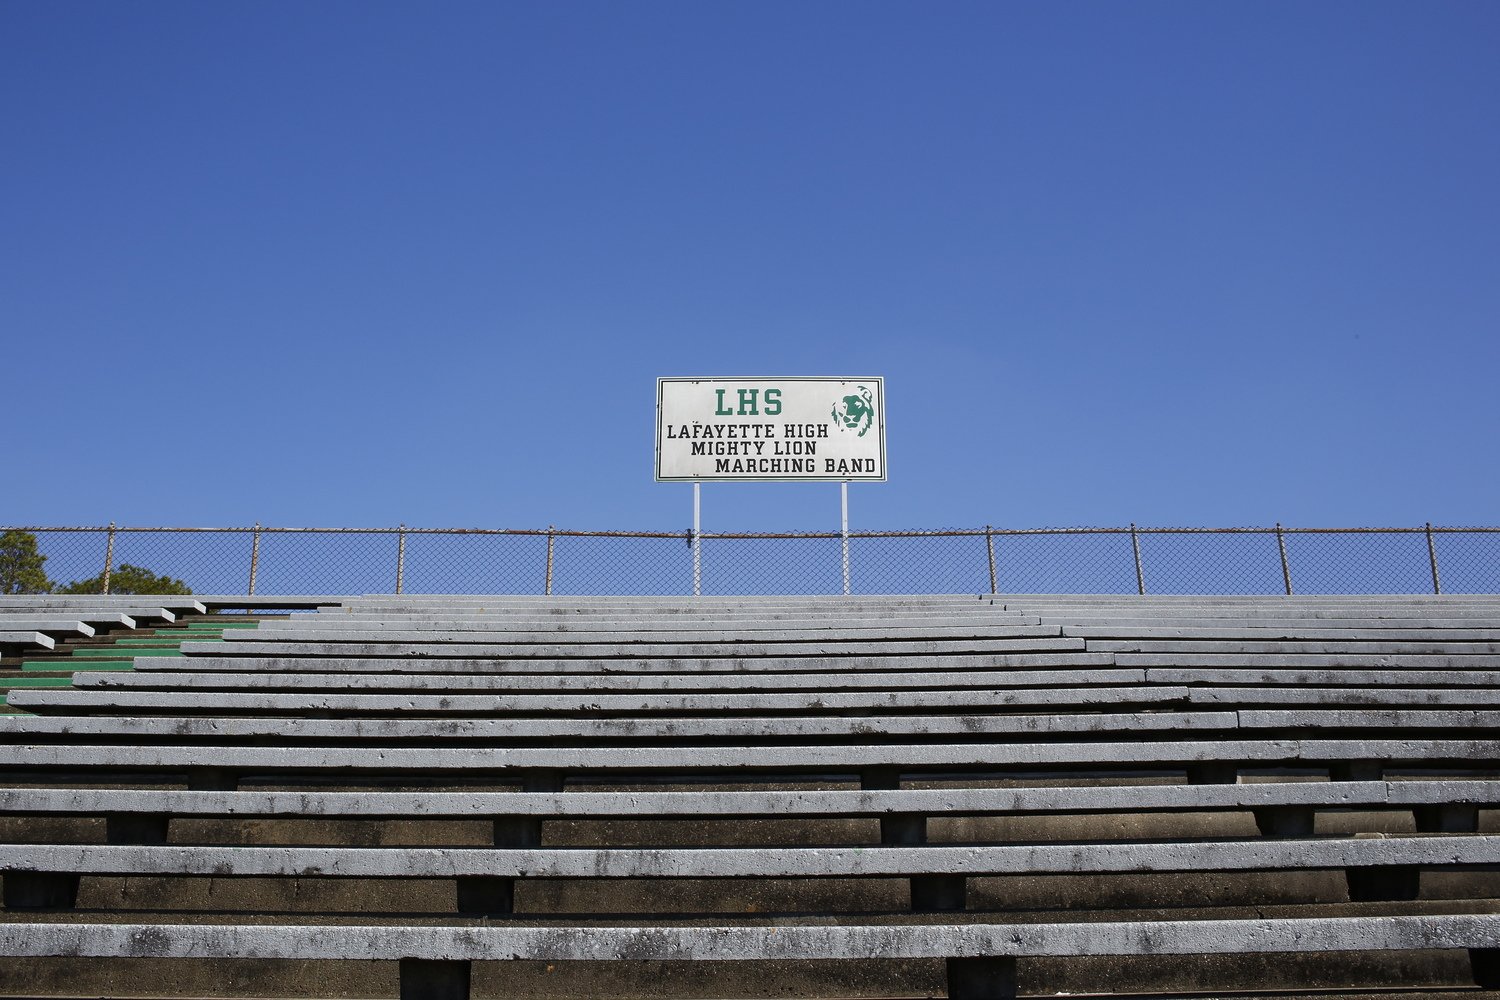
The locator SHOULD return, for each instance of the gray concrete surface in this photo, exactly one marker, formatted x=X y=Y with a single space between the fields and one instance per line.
x=56 y=626
x=780 y=862
x=640 y=804
x=27 y=639
x=740 y=759
x=192 y=702
x=271 y=631
x=647 y=626
x=309 y=679
x=1029 y=653
x=1371 y=678
x=1251 y=633
x=1393 y=660
x=433 y=644
x=756 y=729
x=746 y=943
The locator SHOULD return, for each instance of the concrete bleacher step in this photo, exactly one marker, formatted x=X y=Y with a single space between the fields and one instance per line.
x=26 y=640
x=697 y=681
x=181 y=605
x=680 y=728
x=492 y=632
x=55 y=627
x=872 y=702
x=468 y=648
x=1422 y=850
x=1086 y=670
x=1026 y=653
x=1191 y=650
x=817 y=760
x=1321 y=630
x=975 y=940
x=748 y=628
x=638 y=804
x=140 y=614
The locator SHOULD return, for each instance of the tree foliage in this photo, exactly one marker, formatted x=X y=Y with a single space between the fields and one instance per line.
x=128 y=579
x=21 y=565
x=21 y=572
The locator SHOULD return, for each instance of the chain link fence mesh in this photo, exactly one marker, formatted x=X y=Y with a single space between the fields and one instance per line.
x=1040 y=561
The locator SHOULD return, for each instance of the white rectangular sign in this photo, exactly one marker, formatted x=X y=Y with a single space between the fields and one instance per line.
x=770 y=429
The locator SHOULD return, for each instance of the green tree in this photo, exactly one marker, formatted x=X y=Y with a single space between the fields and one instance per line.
x=21 y=565
x=128 y=579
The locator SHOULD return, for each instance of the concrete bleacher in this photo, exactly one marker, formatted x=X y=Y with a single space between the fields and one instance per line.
x=34 y=622
x=37 y=625
x=158 y=607
x=37 y=622
x=857 y=796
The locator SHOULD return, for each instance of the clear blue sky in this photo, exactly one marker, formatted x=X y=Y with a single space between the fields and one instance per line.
x=363 y=263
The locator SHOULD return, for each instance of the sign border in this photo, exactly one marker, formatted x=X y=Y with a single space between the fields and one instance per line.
x=878 y=380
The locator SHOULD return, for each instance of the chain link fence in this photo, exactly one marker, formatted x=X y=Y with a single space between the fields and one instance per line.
x=279 y=561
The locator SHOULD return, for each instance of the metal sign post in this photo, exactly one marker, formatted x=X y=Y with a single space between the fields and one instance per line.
x=697 y=544
x=844 y=496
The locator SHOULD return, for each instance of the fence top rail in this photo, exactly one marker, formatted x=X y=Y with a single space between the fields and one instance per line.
x=925 y=533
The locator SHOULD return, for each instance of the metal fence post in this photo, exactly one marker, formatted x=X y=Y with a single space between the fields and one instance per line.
x=254 y=558
x=1437 y=585
x=696 y=541
x=989 y=544
x=1286 y=570
x=549 y=561
x=400 y=555
x=109 y=556
x=1135 y=543
x=844 y=497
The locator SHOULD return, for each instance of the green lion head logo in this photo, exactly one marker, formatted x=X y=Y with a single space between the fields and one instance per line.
x=856 y=411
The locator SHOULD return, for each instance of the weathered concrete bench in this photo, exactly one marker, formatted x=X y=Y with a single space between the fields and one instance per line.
x=980 y=958
x=26 y=640
x=56 y=627
x=938 y=722
x=100 y=602
x=123 y=615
